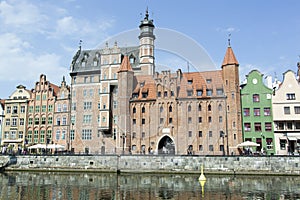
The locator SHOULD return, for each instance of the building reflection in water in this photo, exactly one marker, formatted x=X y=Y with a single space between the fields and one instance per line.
x=29 y=185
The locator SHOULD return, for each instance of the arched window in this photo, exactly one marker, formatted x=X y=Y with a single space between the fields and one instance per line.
x=209 y=107
x=189 y=108
x=161 y=109
x=134 y=110
x=143 y=109
x=170 y=108
x=199 y=107
x=220 y=107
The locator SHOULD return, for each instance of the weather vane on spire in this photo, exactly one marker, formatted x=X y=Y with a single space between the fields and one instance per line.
x=229 y=35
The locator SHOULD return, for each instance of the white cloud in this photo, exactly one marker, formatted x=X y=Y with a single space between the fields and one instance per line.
x=17 y=62
x=20 y=14
x=228 y=29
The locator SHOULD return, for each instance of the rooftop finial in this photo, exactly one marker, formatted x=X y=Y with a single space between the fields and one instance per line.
x=80 y=42
x=229 y=35
x=147 y=14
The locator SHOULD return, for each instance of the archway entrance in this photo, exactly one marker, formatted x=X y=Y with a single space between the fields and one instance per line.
x=166 y=146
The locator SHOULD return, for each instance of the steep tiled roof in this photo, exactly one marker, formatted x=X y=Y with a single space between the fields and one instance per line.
x=194 y=81
x=125 y=65
x=55 y=88
x=145 y=83
x=229 y=57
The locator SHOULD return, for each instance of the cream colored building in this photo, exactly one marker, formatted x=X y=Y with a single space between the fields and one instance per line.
x=15 y=117
x=286 y=115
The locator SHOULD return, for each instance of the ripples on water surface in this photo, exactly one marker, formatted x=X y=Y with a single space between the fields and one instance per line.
x=107 y=186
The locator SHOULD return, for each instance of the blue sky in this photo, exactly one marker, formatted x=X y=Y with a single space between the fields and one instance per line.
x=41 y=36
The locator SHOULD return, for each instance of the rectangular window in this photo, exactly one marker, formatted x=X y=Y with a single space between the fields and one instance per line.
x=209 y=119
x=21 y=121
x=297 y=125
x=219 y=92
x=190 y=93
x=58 y=121
x=268 y=126
x=8 y=109
x=287 y=110
x=43 y=120
x=87 y=105
x=220 y=119
x=37 y=108
x=190 y=133
x=38 y=97
x=44 y=108
x=87 y=119
x=267 y=111
x=200 y=133
x=170 y=120
x=84 y=93
x=64 y=121
x=65 y=109
x=211 y=147
x=73 y=106
x=15 y=110
x=36 y=121
x=161 y=120
x=44 y=97
x=189 y=120
x=49 y=120
x=199 y=92
x=86 y=134
x=14 y=122
x=200 y=147
x=280 y=126
x=257 y=126
x=255 y=97
x=209 y=92
x=72 y=135
x=133 y=121
x=50 y=108
x=7 y=122
x=199 y=119
x=91 y=92
x=30 y=109
x=36 y=136
x=297 y=109
x=30 y=121
x=57 y=135
x=289 y=126
x=290 y=96
x=58 y=108
x=256 y=111
x=143 y=121
x=247 y=126
x=63 y=135
x=42 y=136
x=22 y=109
x=21 y=134
x=210 y=133
x=246 y=112
x=282 y=144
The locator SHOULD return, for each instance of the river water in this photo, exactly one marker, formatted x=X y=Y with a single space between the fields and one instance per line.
x=110 y=186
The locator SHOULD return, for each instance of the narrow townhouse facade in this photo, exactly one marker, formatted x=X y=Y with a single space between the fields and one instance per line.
x=41 y=110
x=286 y=115
x=2 y=101
x=14 y=120
x=61 y=118
x=257 y=120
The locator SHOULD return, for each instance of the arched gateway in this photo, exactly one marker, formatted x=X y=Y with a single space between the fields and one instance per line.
x=166 y=145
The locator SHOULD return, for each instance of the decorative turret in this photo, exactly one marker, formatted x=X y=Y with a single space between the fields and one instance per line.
x=147 y=38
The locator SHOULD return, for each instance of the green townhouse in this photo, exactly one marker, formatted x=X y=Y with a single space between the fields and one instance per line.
x=256 y=103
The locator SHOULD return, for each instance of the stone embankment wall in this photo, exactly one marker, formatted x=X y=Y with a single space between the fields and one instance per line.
x=159 y=164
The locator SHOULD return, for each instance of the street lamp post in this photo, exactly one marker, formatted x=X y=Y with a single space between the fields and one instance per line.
x=123 y=138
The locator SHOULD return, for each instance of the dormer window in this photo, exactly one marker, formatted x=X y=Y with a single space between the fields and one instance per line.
x=135 y=95
x=208 y=80
x=144 y=94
